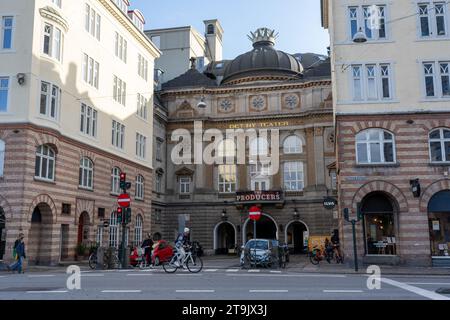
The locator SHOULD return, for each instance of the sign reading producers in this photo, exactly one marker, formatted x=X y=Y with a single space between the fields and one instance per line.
x=259 y=196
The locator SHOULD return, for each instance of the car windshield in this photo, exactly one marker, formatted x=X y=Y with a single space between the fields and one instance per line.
x=258 y=244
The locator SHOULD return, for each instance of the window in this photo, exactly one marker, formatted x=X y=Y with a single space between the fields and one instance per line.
x=121 y=4
x=158 y=182
x=432 y=19
x=159 y=149
x=142 y=67
x=113 y=231
x=141 y=142
x=52 y=43
x=440 y=145
x=361 y=18
x=227 y=178
x=259 y=146
x=139 y=187
x=375 y=146
x=158 y=216
x=227 y=148
x=371 y=82
x=4 y=90
x=119 y=90
x=210 y=29
x=293 y=176
x=185 y=184
x=50 y=100
x=142 y=103
x=118 y=133
x=90 y=71
x=138 y=231
x=88 y=123
x=6 y=36
x=115 y=180
x=45 y=163
x=99 y=237
x=92 y=22
x=120 y=47
x=292 y=144
x=86 y=174
x=437 y=79
x=259 y=177
x=2 y=157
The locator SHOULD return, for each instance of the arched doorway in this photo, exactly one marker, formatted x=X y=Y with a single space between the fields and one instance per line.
x=83 y=228
x=224 y=237
x=2 y=233
x=266 y=228
x=296 y=235
x=40 y=235
x=157 y=236
x=439 y=224
x=379 y=227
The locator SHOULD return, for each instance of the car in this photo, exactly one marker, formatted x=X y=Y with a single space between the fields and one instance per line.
x=262 y=249
x=162 y=252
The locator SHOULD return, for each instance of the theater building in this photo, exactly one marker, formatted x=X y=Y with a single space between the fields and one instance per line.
x=264 y=88
x=391 y=103
x=64 y=136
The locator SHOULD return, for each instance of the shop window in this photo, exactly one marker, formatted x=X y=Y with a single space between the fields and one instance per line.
x=439 y=223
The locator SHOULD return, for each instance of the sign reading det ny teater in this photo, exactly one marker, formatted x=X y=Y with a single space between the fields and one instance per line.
x=259 y=196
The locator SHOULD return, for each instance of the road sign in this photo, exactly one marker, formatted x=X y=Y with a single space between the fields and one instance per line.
x=124 y=200
x=254 y=213
x=106 y=224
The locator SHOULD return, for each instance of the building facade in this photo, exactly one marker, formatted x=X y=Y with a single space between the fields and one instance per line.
x=71 y=119
x=391 y=94
x=263 y=89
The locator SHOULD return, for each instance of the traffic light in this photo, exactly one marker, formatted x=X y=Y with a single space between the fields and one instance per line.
x=124 y=185
x=128 y=215
x=119 y=215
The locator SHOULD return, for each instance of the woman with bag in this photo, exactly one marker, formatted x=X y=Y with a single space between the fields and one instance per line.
x=19 y=254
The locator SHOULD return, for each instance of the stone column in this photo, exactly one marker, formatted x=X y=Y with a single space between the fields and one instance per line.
x=319 y=156
x=311 y=166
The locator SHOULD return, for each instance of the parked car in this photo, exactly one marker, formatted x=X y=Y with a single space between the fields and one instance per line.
x=260 y=250
x=162 y=252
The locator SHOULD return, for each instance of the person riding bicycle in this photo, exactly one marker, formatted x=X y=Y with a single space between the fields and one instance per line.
x=335 y=243
x=181 y=242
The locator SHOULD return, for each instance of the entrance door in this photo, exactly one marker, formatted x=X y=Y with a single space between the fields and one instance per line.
x=296 y=237
x=64 y=242
x=265 y=229
x=225 y=237
x=83 y=228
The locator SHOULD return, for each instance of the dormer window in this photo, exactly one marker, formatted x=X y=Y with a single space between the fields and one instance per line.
x=122 y=5
x=210 y=29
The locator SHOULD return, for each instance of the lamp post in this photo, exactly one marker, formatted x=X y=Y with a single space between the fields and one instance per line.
x=354 y=222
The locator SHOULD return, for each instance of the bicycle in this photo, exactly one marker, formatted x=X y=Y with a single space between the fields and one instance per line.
x=115 y=261
x=317 y=255
x=192 y=262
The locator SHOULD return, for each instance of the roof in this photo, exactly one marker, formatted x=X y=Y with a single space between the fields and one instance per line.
x=191 y=78
x=319 y=70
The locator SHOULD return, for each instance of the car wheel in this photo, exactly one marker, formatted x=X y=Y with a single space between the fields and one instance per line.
x=157 y=261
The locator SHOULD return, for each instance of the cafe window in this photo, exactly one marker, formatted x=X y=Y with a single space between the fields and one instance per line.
x=439 y=224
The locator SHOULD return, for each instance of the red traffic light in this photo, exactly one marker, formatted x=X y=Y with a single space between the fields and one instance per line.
x=119 y=210
x=123 y=176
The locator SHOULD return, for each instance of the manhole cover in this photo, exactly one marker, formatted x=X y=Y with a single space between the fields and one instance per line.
x=443 y=290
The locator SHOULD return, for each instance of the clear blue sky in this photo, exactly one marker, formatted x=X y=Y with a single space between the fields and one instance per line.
x=297 y=21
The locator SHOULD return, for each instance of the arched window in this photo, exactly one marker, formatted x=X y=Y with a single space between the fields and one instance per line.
x=439 y=145
x=139 y=187
x=45 y=163
x=138 y=231
x=2 y=157
x=227 y=148
x=375 y=146
x=259 y=146
x=210 y=29
x=115 y=180
x=86 y=174
x=292 y=144
x=113 y=231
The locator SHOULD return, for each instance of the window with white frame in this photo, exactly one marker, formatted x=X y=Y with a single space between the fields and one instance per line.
x=6 y=35
x=142 y=67
x=118 y=134
x=440 y=145
x=121 y=4
x=86 y=173
x=227 y=149
x=360 y=17
x=45 y=163
x=185 y=184
x=432 y=18
x=139 y=187
x=158 y=182
x=4 y=93
x=138 y=230
x=371 y=82
x=437 y=79
x=113 y=231
x=88 y=121
x=292 y=144
x=375 y=146
x=115 y=180
x=259 y=176
x=142 y=103
x=90 y=71
x=141 y=144
x=119 y=90
x=52 y=41
x=92 y=22
x=50 y=100
x=259 y=146
x=227 y=178
x=120 y=47
x=99 y=237
x=293 y=176
x=2 y=157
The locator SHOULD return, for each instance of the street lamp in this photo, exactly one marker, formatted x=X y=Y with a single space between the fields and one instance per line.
x=353 y=222
x=224 y=215
x=360 y=36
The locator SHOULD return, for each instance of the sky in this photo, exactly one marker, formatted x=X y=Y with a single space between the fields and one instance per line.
x=297 y=21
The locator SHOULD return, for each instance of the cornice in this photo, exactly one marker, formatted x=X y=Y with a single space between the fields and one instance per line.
x=53 y=15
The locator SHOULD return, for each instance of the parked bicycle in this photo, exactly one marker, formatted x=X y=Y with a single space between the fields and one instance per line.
x=192 y=262
x=114 y=260
x=317 y=255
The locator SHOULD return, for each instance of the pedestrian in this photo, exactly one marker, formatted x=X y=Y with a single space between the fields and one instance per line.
x=19 y=253
x=147 y=245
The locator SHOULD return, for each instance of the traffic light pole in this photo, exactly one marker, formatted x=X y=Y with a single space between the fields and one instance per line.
x=124 y=251
x=353 y=222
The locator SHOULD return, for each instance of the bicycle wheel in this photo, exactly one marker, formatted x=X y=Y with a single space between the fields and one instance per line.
x=169 y=266
x=93 y=261
x=194 y=264
x=313 y=259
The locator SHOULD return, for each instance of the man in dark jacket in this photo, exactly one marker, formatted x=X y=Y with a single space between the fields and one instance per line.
x=19 y=248
x=147 y=245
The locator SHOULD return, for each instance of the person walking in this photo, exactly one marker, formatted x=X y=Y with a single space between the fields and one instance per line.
x=19 y=252
x=147 y=245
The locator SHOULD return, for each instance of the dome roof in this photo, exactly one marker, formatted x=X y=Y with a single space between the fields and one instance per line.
x=263 y=60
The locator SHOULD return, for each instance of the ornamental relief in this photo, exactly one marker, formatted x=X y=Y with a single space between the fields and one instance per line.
x=290 y=101
x=258 y=103
x=225 y=105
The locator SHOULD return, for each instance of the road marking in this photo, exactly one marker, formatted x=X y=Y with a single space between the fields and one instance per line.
x=138 y=274
x=41 y=276
x=275 y=271
x=121 y=291
x=267 y=291
x=232 y=270
x=429 y=283
x=188 y=274
x=343 y=291
x=93 y=275
x=210 y=270
x=254 y=270
x=195 y=291
x=285 y=275
x=419 y=291
x=51 y=291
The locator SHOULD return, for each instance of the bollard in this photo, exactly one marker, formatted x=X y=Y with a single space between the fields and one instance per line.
x=100 y=258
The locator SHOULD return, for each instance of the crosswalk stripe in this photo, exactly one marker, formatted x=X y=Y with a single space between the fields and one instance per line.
x=254 y=270
x=210 y=270
x=232 y=270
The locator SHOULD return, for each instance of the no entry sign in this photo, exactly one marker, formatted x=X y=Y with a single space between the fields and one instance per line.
x=124 y=200
x=254 y=213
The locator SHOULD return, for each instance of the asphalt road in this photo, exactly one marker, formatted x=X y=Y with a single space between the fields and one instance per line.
x=217 y=284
